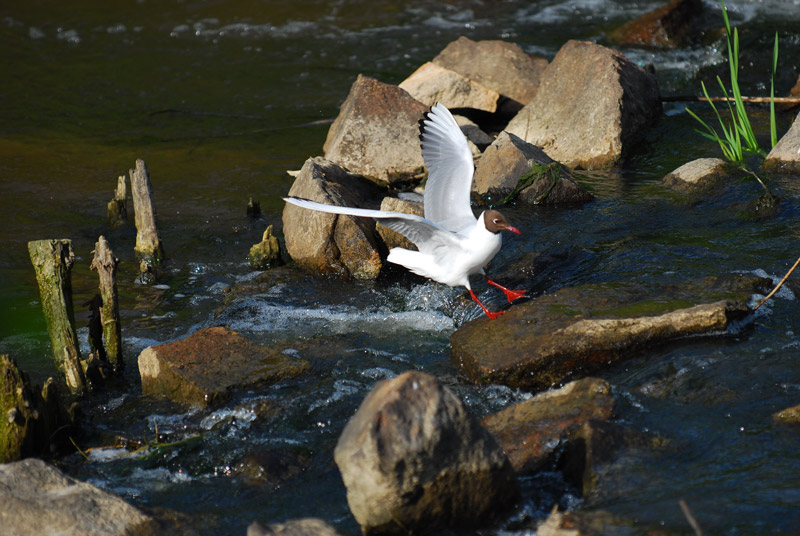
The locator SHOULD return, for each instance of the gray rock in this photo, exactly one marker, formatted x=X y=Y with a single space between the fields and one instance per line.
x=413 y=459
x=329 y=243
x=376 y=133
x=296 y=527
x=474 y=134
x=785 y=156
x=592 y=106
x=499 y=65
x=37 y=498
x=530 y=432
x=433 y=83
x=579 y=330
x=697 y=175
x=203 y=368
x=510 y=167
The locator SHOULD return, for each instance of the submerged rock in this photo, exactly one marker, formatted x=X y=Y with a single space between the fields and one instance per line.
x=414 y=459
x=785 y=156
x=698 y=175
x=433 y=83
x=513 y=168
x=788 y=416
x=669 y=26
x=499 y=65
x=330 y=243
x=203 y=368
x=592 y=106
x=530 y=432
x=578 y=330
x=310 y=526
x=376 y=133
x=266 y=253
x=37 y=498
x=588 y=523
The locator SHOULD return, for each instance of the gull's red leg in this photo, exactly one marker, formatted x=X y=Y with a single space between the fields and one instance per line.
x=510 y=294
x=485 y=310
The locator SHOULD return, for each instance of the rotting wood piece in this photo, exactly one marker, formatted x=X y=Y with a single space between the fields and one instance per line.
x=149 y=249
x=52 y=260
x=118 y=206
x=106 y=263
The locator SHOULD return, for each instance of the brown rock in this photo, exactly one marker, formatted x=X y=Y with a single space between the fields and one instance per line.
x=376 y=133
x=669 y=26
x=785 y=156
x=433 y=83
x=542 y=342
x=530 y=432
x=499 y=65
x=592 y=105
x=391 y=238
x=788 y=416
x=329 y=243
x=203 y=368
x=414 y=459
x=510 y=167
x=296 y=527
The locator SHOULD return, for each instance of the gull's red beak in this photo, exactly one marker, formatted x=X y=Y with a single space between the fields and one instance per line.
x=512 y=229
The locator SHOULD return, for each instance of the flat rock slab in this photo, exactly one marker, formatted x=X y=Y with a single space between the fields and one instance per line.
x=575 y=331
x=205 y=367
x=37 y=498
x=699 y=174
x=433 y=83
x=529 y=432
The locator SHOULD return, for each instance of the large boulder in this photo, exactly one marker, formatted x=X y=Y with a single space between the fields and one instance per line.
x=376 y=133
x=498 y=65
x=592 y=106
x=205 y=367
x=433 y=83
x=330 y=243
x=37 y=498
x=531 y=431
x=669 y=26
x=391 y=238
x=785 y=156
x=513 y=168
x=579 y=330
x=414 y=459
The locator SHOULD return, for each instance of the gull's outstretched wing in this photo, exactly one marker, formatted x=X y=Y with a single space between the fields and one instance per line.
x=425 y=234
x=450 y=169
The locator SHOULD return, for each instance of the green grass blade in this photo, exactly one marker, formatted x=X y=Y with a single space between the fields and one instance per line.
x=773 y=129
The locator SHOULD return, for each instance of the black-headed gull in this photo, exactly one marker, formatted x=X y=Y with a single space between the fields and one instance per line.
x=452 y=243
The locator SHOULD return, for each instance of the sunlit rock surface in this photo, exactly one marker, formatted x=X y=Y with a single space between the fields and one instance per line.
x=433 y=83
x=592 y=107
x=37 y=498
x=785 y=156
x=376 y=133
x=699 y=174
x=530 y=431
x=512 y=167
x=414 y=459
x=295 y=527
x=668 y=26
x=205 y=367
x=320 y=242
x=577 y=330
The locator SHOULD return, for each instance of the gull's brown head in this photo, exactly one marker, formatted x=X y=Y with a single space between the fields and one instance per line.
x=496 y=222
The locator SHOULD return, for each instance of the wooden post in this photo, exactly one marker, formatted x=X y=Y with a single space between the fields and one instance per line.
x=118 y=207
x=148 y=244
x=52 y=260
x=106 y=265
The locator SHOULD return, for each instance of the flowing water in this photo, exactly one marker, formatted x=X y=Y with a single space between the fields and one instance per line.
x=220 y=99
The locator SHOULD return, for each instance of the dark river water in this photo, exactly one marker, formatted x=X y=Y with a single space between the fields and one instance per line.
x=221 y=98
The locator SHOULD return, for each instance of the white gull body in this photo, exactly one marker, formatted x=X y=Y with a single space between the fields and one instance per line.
x=452 y=243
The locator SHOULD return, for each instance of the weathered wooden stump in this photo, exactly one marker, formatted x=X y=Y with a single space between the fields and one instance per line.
x=118 y=206
x=52 y=260
x=148 y=248
x=106 y=263
x=253 y=209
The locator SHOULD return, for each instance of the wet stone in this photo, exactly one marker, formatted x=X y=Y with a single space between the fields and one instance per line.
x=578 y=330
x=669 y=26
x=785 y=156
x=698 y=175
x=296 y=527
x=531 y=431
x=204 y=368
